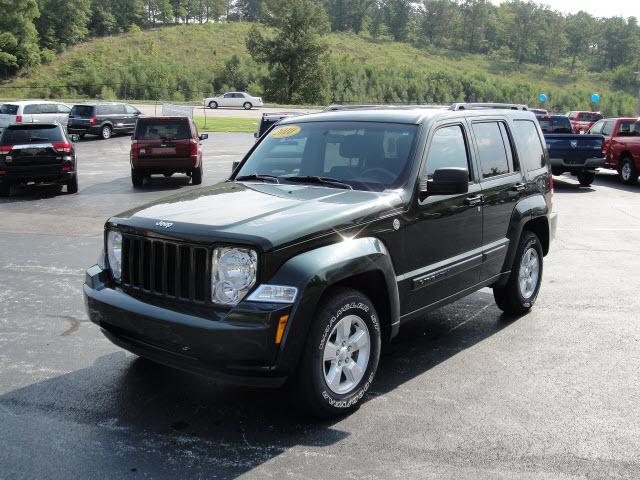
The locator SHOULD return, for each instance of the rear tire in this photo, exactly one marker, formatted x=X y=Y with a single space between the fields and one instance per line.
x=521 y=290
x=106 y=132
x=628 y=173
x=5 y=189
x=247 y=105
x=137 y=178
x=196 y=176
x=213 y=105
x=586 y=178
x=341 y=355
x=72 y=185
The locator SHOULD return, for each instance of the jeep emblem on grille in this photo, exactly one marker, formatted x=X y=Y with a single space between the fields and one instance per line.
x=164 y=224
x=574 y=143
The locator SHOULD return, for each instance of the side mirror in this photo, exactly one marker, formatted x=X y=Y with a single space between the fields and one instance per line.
x=74 y=137
x=234 y=165
x=446 y=181
x=204 y=136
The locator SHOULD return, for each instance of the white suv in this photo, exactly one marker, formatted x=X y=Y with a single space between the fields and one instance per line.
x=234 y=99
x=33 y=111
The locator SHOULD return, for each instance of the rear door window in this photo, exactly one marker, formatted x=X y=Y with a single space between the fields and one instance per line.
x=48 y=108
x=492 y=150
x=165 y=130
x=8 y=109
x=31 y=109
x=629 y=128
x=530 y=150
x=25 y=134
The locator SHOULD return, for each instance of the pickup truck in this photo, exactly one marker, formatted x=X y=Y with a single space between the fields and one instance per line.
x=581 y=121
x=577 y=154
x=621 y=146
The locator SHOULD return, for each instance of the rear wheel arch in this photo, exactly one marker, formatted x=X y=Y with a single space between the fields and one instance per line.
x=539 y=226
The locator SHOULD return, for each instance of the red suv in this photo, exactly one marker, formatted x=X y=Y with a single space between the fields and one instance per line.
x=166 y=145
x=581 y=121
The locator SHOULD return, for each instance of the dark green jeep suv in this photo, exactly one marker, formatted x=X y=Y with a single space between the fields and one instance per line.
x=334 y=230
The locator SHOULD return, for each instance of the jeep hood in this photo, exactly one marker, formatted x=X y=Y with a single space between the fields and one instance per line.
x=265 y=214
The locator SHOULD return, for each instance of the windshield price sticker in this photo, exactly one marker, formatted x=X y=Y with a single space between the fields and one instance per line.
x=285 y=131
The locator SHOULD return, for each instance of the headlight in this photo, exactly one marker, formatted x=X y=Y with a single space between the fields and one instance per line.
x=114 y=253
x=233 y=273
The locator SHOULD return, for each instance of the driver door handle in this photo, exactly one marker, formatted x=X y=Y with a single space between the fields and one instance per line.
x=475 y=200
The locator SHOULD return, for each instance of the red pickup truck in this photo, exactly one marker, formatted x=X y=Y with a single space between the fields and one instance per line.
x=621 y=146
x=581 y=121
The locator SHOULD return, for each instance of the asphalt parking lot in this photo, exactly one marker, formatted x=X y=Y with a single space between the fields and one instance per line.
x=463 y=393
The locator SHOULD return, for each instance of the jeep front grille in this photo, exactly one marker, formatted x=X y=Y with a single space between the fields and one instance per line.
x=164 y=268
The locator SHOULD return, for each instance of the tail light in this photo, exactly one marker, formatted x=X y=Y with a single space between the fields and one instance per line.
x=134 y=149
x=4 y=149
x=194 y=148
x=551 y=184
x=93 y=121
x=62 y=147
x=18 y=118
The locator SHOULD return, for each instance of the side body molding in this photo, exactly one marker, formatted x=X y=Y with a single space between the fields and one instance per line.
x=315 y=271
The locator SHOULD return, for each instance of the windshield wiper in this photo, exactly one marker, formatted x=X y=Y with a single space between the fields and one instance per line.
x=259 y=176
x=319 y=180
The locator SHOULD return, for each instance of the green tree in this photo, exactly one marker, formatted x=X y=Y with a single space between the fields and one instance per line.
x=399 y=13
x=296 y=56
x=249 y=10
x=579 y=30
x=19 y=44
x=63 y=23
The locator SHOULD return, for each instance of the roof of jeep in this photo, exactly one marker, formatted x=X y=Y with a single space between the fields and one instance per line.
x=403 y=115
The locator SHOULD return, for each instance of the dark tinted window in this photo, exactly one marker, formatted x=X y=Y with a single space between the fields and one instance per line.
x=83 y=110
x=629 y=128
x=8 y=109
x=530 y=149
x=607 y=128
x=228 y=95
x=21 y=134
x=448 y=149
x=555 y=124
x=111 y=109
x=31 y=109
x=162 y=130
x=590 y=117
x=366 y=155
x=491 y=149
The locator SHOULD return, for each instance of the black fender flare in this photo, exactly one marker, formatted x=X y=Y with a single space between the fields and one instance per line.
x=315 y=271
x=524 y=211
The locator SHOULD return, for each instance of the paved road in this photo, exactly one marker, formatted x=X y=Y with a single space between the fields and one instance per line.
x=461 y=394
x=224 y=111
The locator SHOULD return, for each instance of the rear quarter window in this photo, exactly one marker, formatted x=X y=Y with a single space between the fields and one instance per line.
x=163 y=130
x=31 y=109
x=492 y=150
x=530 y=149
x=83 y=110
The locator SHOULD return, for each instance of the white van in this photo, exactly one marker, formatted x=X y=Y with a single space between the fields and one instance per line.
x=32 y=111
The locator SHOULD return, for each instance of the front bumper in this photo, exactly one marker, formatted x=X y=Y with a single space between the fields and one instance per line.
x=588 y=164
x=234 y=346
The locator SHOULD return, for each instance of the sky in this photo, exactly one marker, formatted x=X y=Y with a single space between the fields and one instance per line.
x=597 y=8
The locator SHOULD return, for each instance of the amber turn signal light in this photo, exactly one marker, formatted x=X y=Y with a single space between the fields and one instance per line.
x=282 y=323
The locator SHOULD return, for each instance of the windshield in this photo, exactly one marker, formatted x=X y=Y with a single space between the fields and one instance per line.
x=82 y=110
x=555 y=125
x=364 y=155
x=23 y=134
x=8 y=109
x=165 y=130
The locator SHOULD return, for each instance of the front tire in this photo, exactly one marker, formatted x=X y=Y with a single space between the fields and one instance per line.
x=341 y=355
x=247 y=106
x=521 y=291
x=213 y=105
x=628 y=173
x=586 y=178
x=137 y=178
x=106 y=132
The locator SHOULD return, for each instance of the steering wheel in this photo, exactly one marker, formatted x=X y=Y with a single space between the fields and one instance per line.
x=374 y=171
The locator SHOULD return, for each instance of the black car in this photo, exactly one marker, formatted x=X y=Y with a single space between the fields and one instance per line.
x=102 y=119
x=334 y=231
x=37 y=153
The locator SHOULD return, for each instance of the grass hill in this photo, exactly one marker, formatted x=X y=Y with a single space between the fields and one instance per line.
x=186 y=62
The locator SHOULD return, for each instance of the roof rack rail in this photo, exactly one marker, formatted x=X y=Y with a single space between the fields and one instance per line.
x=383 y=106
x=477 y=106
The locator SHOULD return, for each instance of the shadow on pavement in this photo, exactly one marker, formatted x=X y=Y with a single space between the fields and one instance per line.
x=134 y=414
